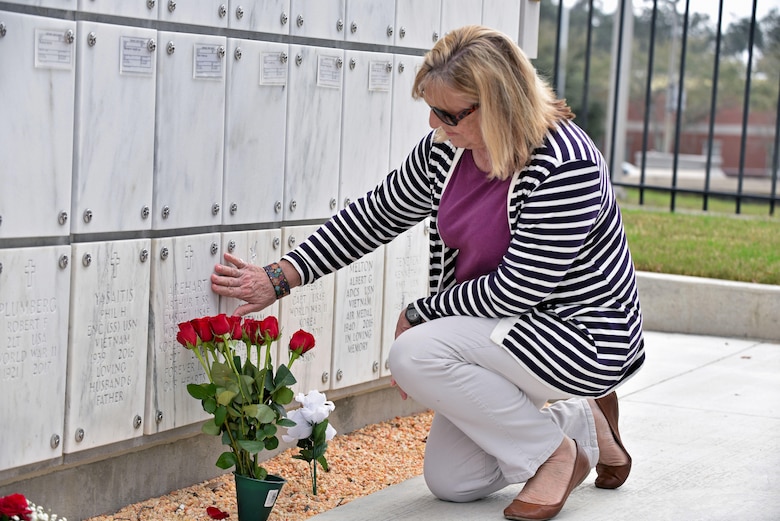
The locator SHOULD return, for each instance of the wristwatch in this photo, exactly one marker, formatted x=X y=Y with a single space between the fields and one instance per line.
x=412 y=315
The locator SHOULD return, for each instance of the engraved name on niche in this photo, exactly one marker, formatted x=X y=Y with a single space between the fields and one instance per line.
x=112 y=334
x=31 y=347
x=358 y=327
x=309 y=307
x=185 y=300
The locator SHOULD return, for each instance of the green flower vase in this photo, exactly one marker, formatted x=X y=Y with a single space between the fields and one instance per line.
x=256 y=497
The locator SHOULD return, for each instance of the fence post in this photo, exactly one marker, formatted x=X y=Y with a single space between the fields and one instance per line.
x=617 y=111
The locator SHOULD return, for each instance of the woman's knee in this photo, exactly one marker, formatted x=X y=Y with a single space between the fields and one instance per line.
x=402 y=352
x=443 y=486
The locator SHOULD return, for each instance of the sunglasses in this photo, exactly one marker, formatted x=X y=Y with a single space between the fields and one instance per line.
x=452 y=120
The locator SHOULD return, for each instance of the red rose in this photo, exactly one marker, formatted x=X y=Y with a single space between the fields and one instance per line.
x=269 y=327
x=187 y=336
x=301 y=342
x=235 y=326
x=215 y=513
x=202 y=328
x=252 y=330
x=15 y=505
x=220 y=325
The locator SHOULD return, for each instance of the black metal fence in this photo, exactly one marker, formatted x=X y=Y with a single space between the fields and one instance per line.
x=682 y=95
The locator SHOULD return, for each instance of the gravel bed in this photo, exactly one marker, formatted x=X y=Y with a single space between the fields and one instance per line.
x=361 y=462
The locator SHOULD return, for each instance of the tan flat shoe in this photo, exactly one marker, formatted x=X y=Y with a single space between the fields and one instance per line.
x=612 y=476
x=522 y=511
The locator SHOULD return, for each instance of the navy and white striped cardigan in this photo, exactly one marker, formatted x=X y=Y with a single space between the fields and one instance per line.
x=565 y=291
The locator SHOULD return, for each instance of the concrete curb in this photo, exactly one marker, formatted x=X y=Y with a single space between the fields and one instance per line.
x=700 y=306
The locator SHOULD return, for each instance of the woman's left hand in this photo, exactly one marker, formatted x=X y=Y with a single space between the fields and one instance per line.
x=402 y=324
x=393 y=383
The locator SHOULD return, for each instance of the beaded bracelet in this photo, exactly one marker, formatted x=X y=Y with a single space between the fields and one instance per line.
x=278 y=280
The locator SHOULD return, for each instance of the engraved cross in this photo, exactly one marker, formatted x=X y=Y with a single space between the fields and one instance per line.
x=189 y=253
x=114 y=263
x=29 y=270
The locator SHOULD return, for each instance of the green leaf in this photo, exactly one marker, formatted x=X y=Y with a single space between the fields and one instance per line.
x=319 y=450
x=210 y=405
x=280 y=412
x=211 y=428
x=201 y=391
x=226 y=460
x=284 y=395
x=222 y=374
x=225 y=397
x=268 y=380
x=286 y=422
x=251 y=410
x=226 y=438
x=284 y=378
x=260 y=472
x=220 y=414
x=251 y=446
x=322 y=461
x=271 y=443
x=265 y=414
x=318 y=431
x=268 y=430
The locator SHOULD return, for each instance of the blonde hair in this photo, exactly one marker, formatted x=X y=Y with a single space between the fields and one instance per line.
x=517 y=106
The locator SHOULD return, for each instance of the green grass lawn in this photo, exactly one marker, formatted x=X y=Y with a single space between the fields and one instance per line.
x=731 y=247
x=721 y=205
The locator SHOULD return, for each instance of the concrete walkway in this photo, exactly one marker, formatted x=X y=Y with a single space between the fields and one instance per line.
x=702 y=423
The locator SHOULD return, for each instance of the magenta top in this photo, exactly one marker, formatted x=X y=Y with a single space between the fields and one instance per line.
x=473 y=219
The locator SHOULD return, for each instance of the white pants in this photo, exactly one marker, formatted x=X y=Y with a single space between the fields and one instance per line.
x=490 y=426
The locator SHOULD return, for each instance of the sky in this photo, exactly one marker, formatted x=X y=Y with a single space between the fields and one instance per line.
x=732 y=9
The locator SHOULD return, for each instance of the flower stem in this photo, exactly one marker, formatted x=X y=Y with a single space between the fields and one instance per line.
x=228 y=353
x=314 y=477
x=203 y=363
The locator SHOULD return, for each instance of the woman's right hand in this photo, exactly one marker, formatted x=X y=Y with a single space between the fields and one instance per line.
x=243 y=281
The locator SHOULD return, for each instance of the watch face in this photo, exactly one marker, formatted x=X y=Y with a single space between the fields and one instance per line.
x=413 y=316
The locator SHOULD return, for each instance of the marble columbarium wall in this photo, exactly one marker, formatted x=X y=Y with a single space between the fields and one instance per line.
x=142 y=139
